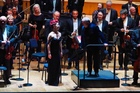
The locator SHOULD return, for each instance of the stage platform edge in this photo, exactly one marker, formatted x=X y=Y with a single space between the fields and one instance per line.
x=106 y=79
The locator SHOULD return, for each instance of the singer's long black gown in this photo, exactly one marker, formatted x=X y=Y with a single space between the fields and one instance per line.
x=54 y=63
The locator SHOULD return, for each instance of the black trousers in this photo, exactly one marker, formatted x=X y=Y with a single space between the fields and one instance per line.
x=93 y=56
x=123 y=60
x=5 y=63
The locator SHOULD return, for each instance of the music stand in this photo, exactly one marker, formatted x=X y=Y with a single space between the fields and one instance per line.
x=19 y=78
x=27 y=84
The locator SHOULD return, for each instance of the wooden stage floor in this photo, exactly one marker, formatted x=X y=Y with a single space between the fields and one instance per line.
x=67 y=84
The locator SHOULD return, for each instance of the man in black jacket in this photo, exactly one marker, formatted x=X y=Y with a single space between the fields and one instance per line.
x=128 y=5
x=76 y=4
x=90 y=34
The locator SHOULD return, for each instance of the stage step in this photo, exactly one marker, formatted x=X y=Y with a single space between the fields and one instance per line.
x=106 y=79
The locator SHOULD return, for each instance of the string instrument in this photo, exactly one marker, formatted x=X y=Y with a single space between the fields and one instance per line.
x=35 y=34
x=137 y=62
x=126 y=37
x=9 y=48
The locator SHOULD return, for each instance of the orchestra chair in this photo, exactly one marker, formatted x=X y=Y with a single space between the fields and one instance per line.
x=45 y=67
x=33 y=44
x=2 y=69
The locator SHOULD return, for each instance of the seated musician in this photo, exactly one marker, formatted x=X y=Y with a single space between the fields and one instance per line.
x=74 y=25
x=135 y=41
x=7 y=38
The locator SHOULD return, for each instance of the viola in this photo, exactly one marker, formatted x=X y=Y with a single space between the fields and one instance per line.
x=126 y=37
x=9 y=51
x=137 y=62
x=75 y=43
x=35 y=34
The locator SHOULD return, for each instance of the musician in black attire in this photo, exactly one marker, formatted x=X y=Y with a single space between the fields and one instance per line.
x=74 y=25
x=128 y=5
x=122 y=27
x=135 y=41
x=110 y=15
x=90 y=34
x=103 y=26
x=134 y=15
x=6 y=32
x=51 y=6
x=19 y=8
x=36 y=22
x=8 y=5
x=76 y=4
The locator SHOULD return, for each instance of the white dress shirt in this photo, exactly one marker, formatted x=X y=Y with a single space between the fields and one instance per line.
x=75 y=26
x=107 y=18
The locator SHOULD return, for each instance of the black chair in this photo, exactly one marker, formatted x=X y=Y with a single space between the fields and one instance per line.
x=45 y=67
x=38 y=55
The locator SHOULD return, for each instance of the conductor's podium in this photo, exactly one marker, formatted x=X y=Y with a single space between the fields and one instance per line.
x=106 y=79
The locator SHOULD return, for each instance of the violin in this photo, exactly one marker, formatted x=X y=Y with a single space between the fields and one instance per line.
x=75 y=43
x=137 y=62
x=35 y=34
x=126 y=37
x=9 y=48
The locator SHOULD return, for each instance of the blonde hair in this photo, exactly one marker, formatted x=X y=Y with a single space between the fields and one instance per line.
x=36 y=5
x=10 y=17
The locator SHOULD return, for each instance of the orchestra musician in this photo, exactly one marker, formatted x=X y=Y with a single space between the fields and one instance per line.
x=135 y=41
x=7 y=38
x=94 y=14
x=128 y=5
x=90 y=34
x=110 y=15
x=36 y=22
x=74 y=25
x=76 y=5
x=134 y=15
x=8 y=5
x=19 y=8
x=51 y=6
x=103 y=27
x=122 y=27
x=56 y=16
x=54 y=53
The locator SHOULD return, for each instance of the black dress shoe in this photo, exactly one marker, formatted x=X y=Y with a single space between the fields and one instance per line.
x=126 y=68
x=134 y=83
x=88 y=74
x=120 y=68
x=7 y=82
x=101 y=68
x=96 y=75
x=69 y=67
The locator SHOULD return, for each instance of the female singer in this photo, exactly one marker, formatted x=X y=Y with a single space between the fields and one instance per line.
x=54 y=54
x=36 y=22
